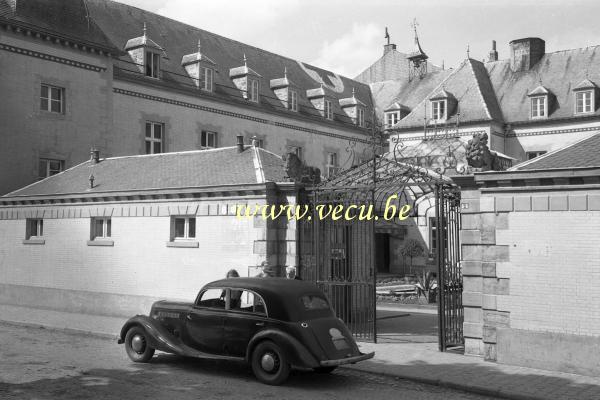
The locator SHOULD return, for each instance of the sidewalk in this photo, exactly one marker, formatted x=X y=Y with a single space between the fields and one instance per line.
x=414 y=361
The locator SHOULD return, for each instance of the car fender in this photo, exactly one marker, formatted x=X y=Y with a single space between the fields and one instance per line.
x=296 y=351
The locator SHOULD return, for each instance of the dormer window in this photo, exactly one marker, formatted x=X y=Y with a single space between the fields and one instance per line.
x=540 y=98
x=152 y=64
x=200 y=69
x=293 y=100
x=585 y=97
x=146 y=55
x=438 y=110
x=539 y=107
x=254 y=90
x=394 y=113
x=354 y=109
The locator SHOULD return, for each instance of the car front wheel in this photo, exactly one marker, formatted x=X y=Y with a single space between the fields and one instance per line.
x=269 y=363
x=136 y=345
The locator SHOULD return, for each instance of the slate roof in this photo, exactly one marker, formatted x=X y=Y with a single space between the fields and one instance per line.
x=122 y=22
x=560 y=72
x=392 y=65
x=66 y=19
x=469 y=85
x=582 y=154
x=191 y=169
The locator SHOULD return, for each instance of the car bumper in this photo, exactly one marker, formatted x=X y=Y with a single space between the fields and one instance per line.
x=349 y=360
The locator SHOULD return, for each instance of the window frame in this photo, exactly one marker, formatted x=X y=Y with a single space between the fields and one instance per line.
x=34 y=231
x=530 y=155
x=327 y=110
x=254 y=90
x=332 y=167
x=395 y=117
x=204 y=140
x=186 y=240
x=152 y=64
x=293 y=100
x=245 y=312
x=48 y=171
x=206 y=75
x=360 y=114
x=50 y=100
x=591 y=103
x=152 y=138
x=436 y=105
x=535 y=108
x=106 y=237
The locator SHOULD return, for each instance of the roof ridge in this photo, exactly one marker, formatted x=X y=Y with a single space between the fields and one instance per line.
x=258 y=167
x=171 y=153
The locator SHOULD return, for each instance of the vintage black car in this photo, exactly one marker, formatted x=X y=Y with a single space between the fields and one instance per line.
x=273 y=324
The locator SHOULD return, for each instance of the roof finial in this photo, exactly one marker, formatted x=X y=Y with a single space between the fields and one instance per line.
x=414 y=25
x=443 y=68
x=285 y=72
x=245 y=61
x=144 y=28
x=468 y=51
x=199 y=46
x=352 y=91
x=387 y=35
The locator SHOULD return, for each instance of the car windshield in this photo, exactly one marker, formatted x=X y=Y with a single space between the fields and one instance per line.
x=314 y=302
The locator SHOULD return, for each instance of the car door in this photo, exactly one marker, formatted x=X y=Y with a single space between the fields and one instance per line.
x=247 y=315
x=204 y=322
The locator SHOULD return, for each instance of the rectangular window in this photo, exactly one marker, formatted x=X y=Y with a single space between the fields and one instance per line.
x=101 y=228
x=538 y=107
x=184 y=228
x=206 y=79
x=332 y=164
x=154 y=137
x=391 y=119
x=293 y=100
x=208 y=140
x=34 y=228
x=438 y=110
x=327 y=109
x=254 y=90
x=152 y=64
x=49 y=167
x=52 y=99
x=361 y=117
x=256 y=142
x=583 y=102
x=533 y=154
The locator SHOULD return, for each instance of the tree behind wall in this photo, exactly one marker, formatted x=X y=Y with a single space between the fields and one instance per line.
x=412 y=248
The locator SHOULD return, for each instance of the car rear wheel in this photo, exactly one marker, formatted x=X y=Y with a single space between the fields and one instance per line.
x=325 y=370
x=136 y=345
x=269 y=363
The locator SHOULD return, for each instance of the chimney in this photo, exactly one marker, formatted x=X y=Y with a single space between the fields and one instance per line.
x=95 y=155
x=240 y=143
x=525 y=53
x=493 y=53
x=388 y=47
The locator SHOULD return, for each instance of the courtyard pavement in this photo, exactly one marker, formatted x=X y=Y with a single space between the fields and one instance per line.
x=409 y=356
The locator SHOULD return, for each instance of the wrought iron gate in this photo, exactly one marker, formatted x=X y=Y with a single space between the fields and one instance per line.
x=450 y=308
x=339 y=255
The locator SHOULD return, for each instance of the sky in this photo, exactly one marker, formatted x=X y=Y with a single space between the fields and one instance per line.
x=348 y=36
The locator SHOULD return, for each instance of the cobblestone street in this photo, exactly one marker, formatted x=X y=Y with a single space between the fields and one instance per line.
x=46 y=364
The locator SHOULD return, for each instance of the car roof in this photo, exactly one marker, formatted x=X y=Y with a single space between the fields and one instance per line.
x=282 y=296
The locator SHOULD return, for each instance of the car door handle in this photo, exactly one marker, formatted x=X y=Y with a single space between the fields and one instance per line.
x=189 y=317
x=260 y=324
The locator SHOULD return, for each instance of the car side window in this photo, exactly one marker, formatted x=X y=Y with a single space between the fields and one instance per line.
x=212 y=298
x=247 y=301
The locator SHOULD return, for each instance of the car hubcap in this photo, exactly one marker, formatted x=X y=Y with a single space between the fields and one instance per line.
x=138 y=343
x=268 y=362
